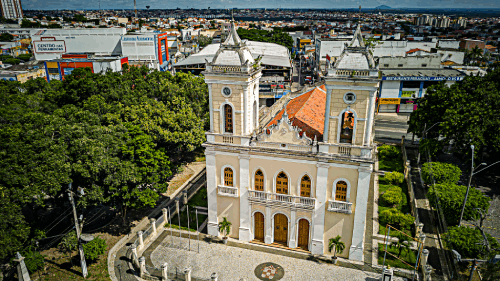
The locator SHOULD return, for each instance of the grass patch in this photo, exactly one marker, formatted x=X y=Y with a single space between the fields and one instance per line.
x=409 y=257
x=199 y=199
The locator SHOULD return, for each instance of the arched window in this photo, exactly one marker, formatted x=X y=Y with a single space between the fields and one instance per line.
x=259 y=180
x=305 y=186
x=228 y=177
x=282 y=183
x=228 y=119
x=347 y=128
x=341 y=191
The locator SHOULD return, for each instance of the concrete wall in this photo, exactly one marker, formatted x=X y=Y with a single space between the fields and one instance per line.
x=410 y=62
x=420 y=45
x=453 y=44
x=390 y=89
x=390 y=49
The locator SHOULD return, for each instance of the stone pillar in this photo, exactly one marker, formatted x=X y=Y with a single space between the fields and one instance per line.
x=422 y=237
x=153 y=225
x=319 y=210
x=164 y=272
x=184 y=197
x=141 y=240
x=177 y=205
x=369 y=119
x=187 y=274
x=293 y=229
x=210 y=104
x=214 y=276
x=268 y=225
x=427 y=272
x=420 y=228
x=359 y=227
x=327 y=114
x=213 y=225
x=165 y=215
x=135 y=259
x=245 y=213
x=142 y=267
x=425 y=257
x=244 y=121
x=22 y=270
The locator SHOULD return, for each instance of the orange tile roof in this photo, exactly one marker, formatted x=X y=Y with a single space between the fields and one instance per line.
x=307 y=112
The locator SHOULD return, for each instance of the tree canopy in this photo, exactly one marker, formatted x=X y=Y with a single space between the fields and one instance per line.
x=119 y=135
x=467 y=113
x=276 y=36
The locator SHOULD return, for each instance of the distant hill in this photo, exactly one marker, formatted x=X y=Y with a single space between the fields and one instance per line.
x=383 y=7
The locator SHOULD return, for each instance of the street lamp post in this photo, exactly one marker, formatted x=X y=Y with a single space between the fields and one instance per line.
x=472 y=172
x=424 y=132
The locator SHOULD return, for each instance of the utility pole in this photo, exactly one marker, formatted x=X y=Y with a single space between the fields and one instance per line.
x=78 y=230
x=135 y=8
x=468 y=186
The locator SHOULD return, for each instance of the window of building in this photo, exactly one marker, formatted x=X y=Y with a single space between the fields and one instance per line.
x=259 y=180
x=228 y=177
x=53 y=70
x=341 y=191
x=228 y=118
x=347 y=128
x=305 y=186
x=282 y=183
x=424 y=65
x=386 y=65
x=400 y=65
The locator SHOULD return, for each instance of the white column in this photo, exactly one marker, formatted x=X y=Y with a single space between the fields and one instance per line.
x=358 y=233
x=369 y=119
x=213 y=227
x=327 y=114
x=244 y=112
x=268 y=225
x=245 y=219
x=293 y=229
x=319 y=210
x=210 y=105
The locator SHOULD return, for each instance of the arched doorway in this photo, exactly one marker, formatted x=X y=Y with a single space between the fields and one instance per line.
x=259 y=226
x=303 y=241
x=280 y=229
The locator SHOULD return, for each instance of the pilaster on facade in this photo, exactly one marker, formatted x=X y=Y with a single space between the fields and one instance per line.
x=213 y=224
x=317 y=245
x=268 y=227
x=359 y=228
x=293 y=229
x=245 y=208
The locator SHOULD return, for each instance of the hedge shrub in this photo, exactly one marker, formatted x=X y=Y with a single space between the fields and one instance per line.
x=388 y=151
x=395 y=178
x=442 y=172
x=396 y=218
x=94 y=249
x=393 y=196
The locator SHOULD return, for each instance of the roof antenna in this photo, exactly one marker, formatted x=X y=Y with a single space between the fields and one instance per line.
x=232 y=14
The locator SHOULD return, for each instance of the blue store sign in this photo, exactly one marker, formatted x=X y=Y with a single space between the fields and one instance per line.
x=421 y=78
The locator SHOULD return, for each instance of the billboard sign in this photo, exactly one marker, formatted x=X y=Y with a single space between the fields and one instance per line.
x=56 y=46
x=389 y=101
x=421 y=78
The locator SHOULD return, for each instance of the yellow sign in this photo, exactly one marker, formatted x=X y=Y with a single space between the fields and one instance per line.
x=389 y=101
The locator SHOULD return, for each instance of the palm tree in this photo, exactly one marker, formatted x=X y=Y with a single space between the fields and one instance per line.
x=476 y=53
x=336 y=245
x=225 y=227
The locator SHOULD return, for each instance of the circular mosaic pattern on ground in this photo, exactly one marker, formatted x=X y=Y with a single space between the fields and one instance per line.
x=269 y=271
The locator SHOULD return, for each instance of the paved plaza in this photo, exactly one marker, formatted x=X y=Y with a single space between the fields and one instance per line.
x=233 y=263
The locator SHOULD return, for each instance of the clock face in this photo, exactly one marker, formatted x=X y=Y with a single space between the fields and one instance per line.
x=226 y=91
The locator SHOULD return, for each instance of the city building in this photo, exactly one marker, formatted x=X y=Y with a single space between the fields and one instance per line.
x=49 y=44
x=470 y=44
x=300 y=174
x=406 y=79
x=58 y=68
x=149 y=49
x=22 y=73
x=11 y=9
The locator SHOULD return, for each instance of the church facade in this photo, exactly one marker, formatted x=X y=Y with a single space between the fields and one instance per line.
x=299 y=173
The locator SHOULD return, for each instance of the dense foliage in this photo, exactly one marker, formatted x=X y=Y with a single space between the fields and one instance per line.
x=393 y=196
x=468 y=242
x=276 y=36
x=119 y=135
x=94 y=249
x=396 y=178
x=395 y=218
x=451 y=198
x=468 y=112
x=441 y=172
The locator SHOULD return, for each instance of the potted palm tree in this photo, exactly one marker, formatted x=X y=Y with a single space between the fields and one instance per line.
x=336 y=245
x=225 y=228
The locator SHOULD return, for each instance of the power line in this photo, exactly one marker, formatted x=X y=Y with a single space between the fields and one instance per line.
x=57 y=218
x=59 y=221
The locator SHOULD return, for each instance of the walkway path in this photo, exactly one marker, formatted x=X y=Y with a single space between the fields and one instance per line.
x=234 y=263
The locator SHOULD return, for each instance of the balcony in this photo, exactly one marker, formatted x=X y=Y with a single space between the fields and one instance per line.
x=227 y=191
x=339 y=206
x=281 y=199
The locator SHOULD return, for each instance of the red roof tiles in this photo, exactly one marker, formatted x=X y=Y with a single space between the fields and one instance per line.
x=307 y=112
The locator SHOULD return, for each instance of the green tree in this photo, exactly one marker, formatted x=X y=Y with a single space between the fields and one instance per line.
x=6 y=37
x=441 y=172
x=468 y=242
x=336 y=245
x=204 y=41
x=433 y=146
x=94 y=249
x=14 y=230
x=276 y=36
x=33 y=260
x=225 y=227
x=451 y=198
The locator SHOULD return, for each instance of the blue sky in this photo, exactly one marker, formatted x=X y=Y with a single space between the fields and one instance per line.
x=331 y=4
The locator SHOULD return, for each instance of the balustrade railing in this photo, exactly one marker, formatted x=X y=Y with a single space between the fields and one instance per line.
x=345 y=150
x=285 y=199
x=296 y=147
x=339 y=206
x=228 y=191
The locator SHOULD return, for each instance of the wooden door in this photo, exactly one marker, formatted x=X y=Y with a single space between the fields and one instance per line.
x=259 y=181
x=280 y=229
x=303 y=239
x=282 y=183
x=228 y=113
x=259 y=226
x=341 y=191
x=305 y=187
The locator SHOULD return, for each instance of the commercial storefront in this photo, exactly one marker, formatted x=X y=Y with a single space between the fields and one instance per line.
x=401 y=89
x=146 y=49
x=57 y=69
